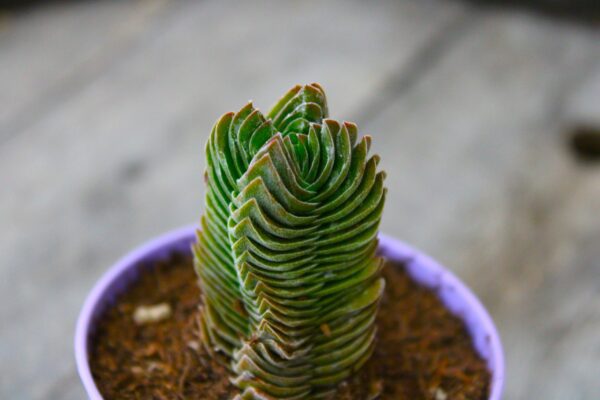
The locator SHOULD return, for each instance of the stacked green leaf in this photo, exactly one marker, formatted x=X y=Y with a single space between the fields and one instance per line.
x=286 y=251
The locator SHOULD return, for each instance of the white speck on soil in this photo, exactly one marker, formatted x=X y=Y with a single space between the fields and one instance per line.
x=151 y=314
x=194 y=345
x=440 y=394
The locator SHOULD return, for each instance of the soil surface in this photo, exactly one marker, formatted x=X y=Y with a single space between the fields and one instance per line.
x=423 y=351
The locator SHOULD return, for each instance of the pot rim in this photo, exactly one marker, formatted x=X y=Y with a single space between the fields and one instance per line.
x=455 y=295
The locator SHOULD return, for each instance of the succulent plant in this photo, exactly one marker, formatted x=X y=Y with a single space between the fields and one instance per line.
x=286 y=253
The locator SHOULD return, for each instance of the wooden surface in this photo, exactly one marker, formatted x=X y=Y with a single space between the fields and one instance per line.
x=105 y=107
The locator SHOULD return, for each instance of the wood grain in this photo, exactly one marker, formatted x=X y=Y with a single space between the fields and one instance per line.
x=106 y=106
x=488 y=186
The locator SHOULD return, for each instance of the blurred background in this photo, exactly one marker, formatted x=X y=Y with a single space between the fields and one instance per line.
x=486 y=115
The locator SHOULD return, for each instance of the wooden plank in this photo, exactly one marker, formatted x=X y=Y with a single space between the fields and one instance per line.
x=118 y=158
x=53 y=50
x=480 y=177
x=582 y=106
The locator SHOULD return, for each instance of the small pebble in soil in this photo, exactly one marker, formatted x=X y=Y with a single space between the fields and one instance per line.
x=440 y=394
x=151 y=314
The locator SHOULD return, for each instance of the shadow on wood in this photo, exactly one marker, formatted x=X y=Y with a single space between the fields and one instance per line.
x=587 y=11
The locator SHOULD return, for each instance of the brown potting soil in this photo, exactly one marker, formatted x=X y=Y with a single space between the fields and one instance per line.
x=423 y=351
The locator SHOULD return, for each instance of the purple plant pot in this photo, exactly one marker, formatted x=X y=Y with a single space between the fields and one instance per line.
x=455 y=295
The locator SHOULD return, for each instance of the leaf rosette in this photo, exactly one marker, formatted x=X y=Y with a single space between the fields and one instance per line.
x=286 y=253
